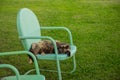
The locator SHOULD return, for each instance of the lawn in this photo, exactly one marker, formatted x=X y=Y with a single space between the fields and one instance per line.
x=95 y=25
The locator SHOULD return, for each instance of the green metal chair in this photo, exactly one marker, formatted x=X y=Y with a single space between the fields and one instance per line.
x=30 y=31
x=36 y=76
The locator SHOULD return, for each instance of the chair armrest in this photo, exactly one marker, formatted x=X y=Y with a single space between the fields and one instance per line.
x=42 y=37
x=60 y=28
x=23 y=52
x=12 y=68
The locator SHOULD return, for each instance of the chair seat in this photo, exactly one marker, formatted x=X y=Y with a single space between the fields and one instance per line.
x=60 y=56
x=25 y=77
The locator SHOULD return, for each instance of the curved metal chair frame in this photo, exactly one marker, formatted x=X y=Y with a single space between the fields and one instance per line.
x=37 y=76
x=30 y=31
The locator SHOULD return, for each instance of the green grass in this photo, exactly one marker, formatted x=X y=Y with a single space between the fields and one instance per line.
x=95 y=25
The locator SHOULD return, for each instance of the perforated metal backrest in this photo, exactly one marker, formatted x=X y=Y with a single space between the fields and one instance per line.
x=28 y=25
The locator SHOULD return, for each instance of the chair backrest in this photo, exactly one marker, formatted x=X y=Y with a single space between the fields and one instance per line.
x=28 y=25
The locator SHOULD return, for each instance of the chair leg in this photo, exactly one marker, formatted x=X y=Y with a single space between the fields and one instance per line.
x=74 y=64
x=58 y=64
x=59 y=70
